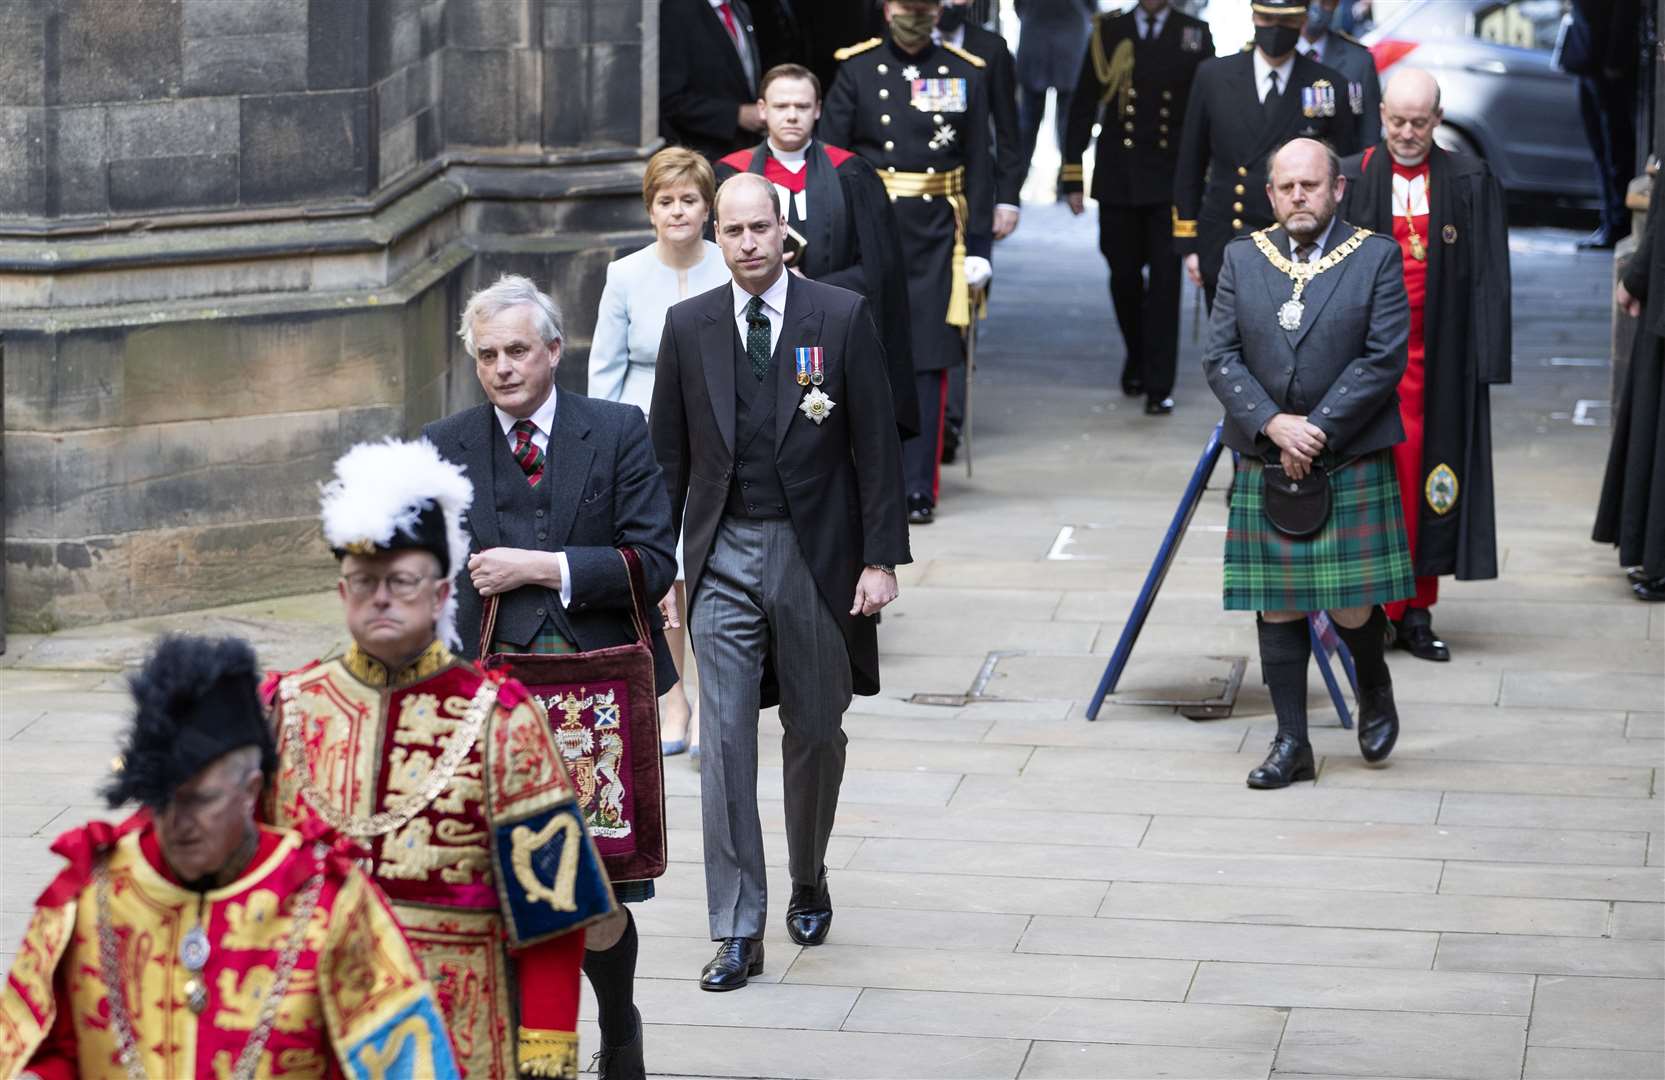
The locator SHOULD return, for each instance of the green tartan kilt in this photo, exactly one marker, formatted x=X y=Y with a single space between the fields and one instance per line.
x=1360 y=556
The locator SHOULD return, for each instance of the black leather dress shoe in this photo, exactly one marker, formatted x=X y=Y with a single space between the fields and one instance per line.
x=1417 y=638
x=1378 y=723
x=621 y=1062
x=1599 y=240
x=921 y=511
x=737 y=960
x=950 y=443
x=1288 y=762
x=809 y=914
x=1650 y=590
x=1635 y=574
x=1133 y=386
x=1159 y=408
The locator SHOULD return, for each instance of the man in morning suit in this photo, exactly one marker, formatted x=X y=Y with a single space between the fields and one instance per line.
x=708 y=72
x=1322 y=41
x=1306 y=346
x=564 y=481
x=1241 y=108
x=1136 y=82
x=772 y=419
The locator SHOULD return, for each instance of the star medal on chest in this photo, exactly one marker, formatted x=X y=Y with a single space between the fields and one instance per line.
x=193 y=954
x=812 y=372
x=911 y=72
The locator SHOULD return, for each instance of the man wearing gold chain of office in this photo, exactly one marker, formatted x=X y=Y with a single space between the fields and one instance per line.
x=447 y=773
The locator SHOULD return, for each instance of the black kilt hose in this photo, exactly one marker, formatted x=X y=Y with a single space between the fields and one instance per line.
x=1360 y=556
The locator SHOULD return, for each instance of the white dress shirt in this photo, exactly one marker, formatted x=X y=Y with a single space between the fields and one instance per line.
x=1262 y=69
x=774 y=308
x=1150 y=25
x=1314 y=49
x=544 y=422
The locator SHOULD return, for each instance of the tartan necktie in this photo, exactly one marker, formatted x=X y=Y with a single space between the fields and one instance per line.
x=526 y=452
x=1303 y=252
x=757 y=337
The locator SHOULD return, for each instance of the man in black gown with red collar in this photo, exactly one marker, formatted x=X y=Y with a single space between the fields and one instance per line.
x=838 y=209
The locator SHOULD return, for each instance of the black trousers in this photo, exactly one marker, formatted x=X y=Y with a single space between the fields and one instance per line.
x=1134 y=238
x=922 y=454
x=1609 y=111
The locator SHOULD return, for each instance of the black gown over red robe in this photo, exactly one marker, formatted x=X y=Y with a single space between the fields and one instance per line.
x=1466 y=348
x=854 y=243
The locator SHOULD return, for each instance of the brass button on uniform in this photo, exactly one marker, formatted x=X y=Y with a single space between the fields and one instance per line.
x=884 y=118
x=1128 y=143
x=890 y=146
x=1242 y=171
x=1236 y=223
x=1162 y=143
x=1130 y=110
x=1132 y=93
x=1162 y=111
x=883 y=93
x=942 y=69
x=1239 y=189
x=937 y=119
x=1167 y=95
x=1237 y=207
x=930 y=168
x=926 y=197
x=1128 y=126
x=1162 y=128
x=884 y=69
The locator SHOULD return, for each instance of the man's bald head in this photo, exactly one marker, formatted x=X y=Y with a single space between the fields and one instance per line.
x=1410 y=113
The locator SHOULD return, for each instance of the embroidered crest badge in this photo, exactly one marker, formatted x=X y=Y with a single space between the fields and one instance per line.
x=1449 y=234
x=1190 y=39
x=1441 y=489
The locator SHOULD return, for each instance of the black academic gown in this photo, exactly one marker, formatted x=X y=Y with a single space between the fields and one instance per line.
x=854 y=243
x=1631 y=513
x=1466 y=344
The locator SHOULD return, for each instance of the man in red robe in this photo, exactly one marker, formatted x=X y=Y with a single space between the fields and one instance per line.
x=1447 y=213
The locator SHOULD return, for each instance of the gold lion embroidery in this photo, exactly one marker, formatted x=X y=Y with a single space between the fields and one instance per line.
x=241 y=999
x=410 y=854
x=525 y=843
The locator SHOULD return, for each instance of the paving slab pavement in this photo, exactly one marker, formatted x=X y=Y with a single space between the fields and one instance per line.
x=1020 y=892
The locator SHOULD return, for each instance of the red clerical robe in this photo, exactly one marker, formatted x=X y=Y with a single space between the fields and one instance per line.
x=353 y=1000
x=1410 y=228
x=450 y=775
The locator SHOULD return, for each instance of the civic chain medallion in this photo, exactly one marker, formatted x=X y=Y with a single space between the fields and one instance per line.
x=1290 y=314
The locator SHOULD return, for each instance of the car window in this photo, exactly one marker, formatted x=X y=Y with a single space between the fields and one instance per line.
x=1420 y=20
x=1522 y=24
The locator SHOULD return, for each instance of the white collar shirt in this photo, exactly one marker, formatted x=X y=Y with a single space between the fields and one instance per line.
x=1150 y=25
x=1314 y=49
x=544 y=419
x=774 y=308
x=1262 y=69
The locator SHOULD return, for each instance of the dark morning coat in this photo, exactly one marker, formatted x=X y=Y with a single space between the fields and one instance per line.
x=602 y=490
x=1467 y=343
x=702 y=82
x=842 y=478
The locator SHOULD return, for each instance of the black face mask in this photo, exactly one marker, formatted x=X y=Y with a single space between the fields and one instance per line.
x=951 y=19
x=1277 y=40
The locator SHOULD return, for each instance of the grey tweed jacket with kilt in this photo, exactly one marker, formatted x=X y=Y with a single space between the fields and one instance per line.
x=1340 y=368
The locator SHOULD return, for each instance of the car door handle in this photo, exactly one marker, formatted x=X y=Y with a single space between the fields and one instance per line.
x=1487 y=67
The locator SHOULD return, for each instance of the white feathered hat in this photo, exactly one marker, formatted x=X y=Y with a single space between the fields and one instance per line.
x=392 y=496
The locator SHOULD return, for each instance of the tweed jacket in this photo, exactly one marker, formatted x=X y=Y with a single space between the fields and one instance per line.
x=1340 y=368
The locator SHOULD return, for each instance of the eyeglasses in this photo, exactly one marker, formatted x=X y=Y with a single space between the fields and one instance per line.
x=362 y=586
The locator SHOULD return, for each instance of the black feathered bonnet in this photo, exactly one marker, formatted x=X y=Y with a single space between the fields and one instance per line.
x=195 y=700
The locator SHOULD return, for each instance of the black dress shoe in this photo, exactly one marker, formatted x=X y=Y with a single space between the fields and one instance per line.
x=1288 y=762
x=1652 y=591
x=920 y=509
x=1416 y=637
x=1635 y=574
x=737 y=960
x=809 y=914
x=621 y=1062
x=1159 y=408
x=1378 y=723
x=1133 y=388
x=950 y=443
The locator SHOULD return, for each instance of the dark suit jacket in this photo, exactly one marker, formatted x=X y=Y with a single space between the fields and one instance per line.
x=1009 y=166
x=702 y=83
x=1340 y=369
x=842 y=477
x=604 y=492
x=1051 y=39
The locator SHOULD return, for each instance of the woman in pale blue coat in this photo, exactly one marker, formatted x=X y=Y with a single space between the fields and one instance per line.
x=678 y=189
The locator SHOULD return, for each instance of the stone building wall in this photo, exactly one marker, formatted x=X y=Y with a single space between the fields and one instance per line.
x=237 y=239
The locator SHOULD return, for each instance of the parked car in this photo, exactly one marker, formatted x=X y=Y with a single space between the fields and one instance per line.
x=1504 y=99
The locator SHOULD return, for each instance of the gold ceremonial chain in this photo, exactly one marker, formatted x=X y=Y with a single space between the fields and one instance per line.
x=109 y=962
x=1419 y=251
x=1289 y=315
x=397 y=815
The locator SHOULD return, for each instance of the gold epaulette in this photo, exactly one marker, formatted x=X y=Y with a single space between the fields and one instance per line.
x=970 y=58
x=857 y=49
x=1345 y=36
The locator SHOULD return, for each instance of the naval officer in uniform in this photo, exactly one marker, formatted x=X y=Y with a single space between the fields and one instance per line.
x=1136 y=82
x=919 y=113
x=1242 y=107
